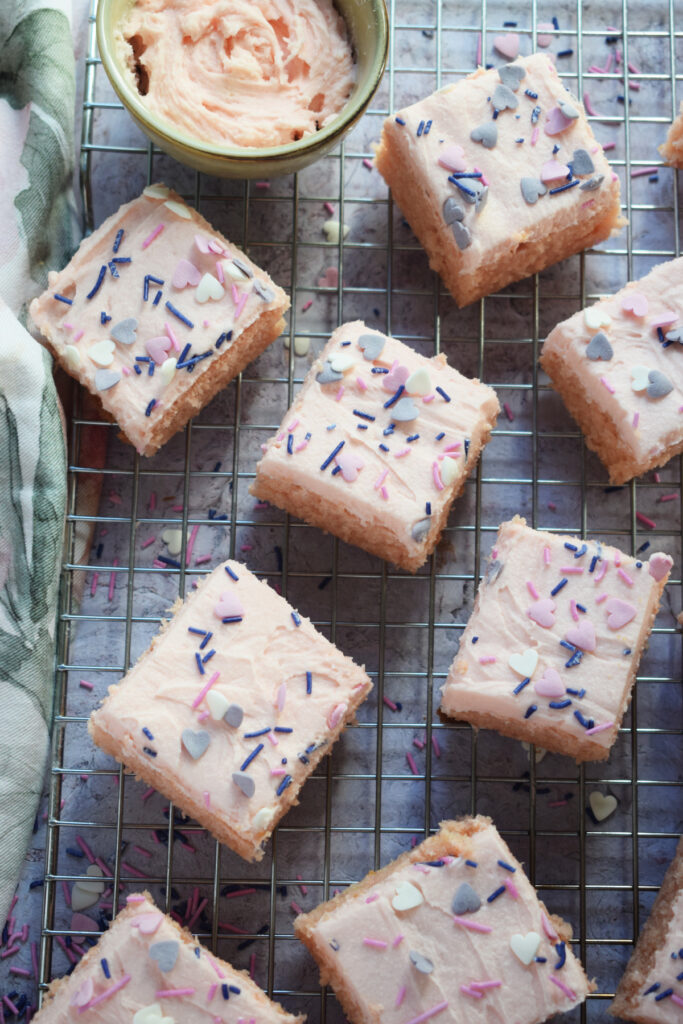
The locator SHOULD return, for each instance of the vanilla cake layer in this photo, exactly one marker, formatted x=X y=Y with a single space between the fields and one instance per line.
x=672 y=147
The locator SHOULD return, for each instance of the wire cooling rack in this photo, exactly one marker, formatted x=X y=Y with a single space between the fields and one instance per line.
x=367 y=802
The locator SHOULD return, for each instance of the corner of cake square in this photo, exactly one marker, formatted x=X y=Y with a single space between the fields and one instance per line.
x=617 y=365
x=450 y=931
x=155 y=313
x=232 y=707
x=377 y=445
x=499 y=175
x=672 y=147
x=551 y=650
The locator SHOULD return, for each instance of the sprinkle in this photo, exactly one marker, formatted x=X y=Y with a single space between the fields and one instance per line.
x=63 y=298
x=98 y=284
x=402 y=990
x=530 y=710
x=231 y=573
x=283 y=785
x=309 y=682
x=398 y=120
x=176 y=312
x=532 y=590
x=599 y=728
x=107 y=993
x=487 y=659
x=471 y=863
x=511 y=888
x=332 y=455
x=464 y=922
x=437 y=476
x=363 y=415
x=494 y=895
x=152 y=235
x=558 y=587
x=520 y=686
x=546 y=555
x=561 y=985
x=375 y=943
x=250 y=757
x=664 y=995
x=587 y=723
x=296 y=619
x=508 y=867
x=395 y=397
x=646 y=521
x=641 y=172
x=446 y=397
x=169 y=993
x=508 y=412
x=562 y=954
x=411 y=762
x=625 y=577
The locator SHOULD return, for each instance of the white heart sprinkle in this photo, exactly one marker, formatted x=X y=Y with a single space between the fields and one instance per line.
x=179 y=209
x=152 y=1014
x=449 y=471
x=525 y=946
x=156 y=192
x=524 y=664
x=173 y=539
x=342 y=362
x=232 y=271
x=87 y=890
x=102 y=354
x=602 y=805
x=209 y=288
x=217 y=704
x=639 y=377
x=419 y=383
x=596 y=318
x=332 y=230
x=407 y=896
x=167 y=370
x=72 y=357
x=263 y=818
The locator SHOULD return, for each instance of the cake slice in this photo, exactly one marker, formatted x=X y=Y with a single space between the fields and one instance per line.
x=618 y=367
x=451 y=931
x=499 y=175
x=156 y=313
x=378 y=445
x=551 y=650
x=231 y=708
x=651 y=990
x=148 y=970
x=672 y=147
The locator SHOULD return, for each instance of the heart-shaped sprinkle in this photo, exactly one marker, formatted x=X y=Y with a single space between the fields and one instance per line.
x=595 y=317
x=234 y=716
x=659 y=565
x=152 y=1014
x=664 y=319
x=493 y=570
x=639 y=377
x=263 y=818
x=486 y=133
x=165 y=954
x=125 y=331
x=195 y=743
x=228 y=606
x=599 y=347
x=524 y=664
x=526 y=946
x=327 y=375
x=157 y=348
x=105 y=379
x=147 y=924
x=332 y=230
x=544 y=27
x=173 y=539
x=186 y=274
x=371 y=346
x=244 y=782
x=568 y=110
x=532 y=189
x=591 y=184
x=209 y=288
x=404 y=411
x=217 y=704
x=550 y=684
x=102 y=353
x=543 y=612
x=397 y=375
x=461 y=234
x=553 y=170
x=658 y=385
x=507 y=46
x=231 y=271
x=635 y=302
x=264 y=293
x=87 y=890
x=465 y=901
x=504 y=98
x=449 y=471
x=675 y=335
x=179 y=209
x=421 y=963
x=602 y=805
x=419 y=382
x=511 y=75
x=156 y=192
x=619 y=613
x=342 y=362
x=582 y=162
x=167 y=371
x=481 y=194
x=452 y=210
x=83 y=993
x=556 y=122
x=453 y=158
x=582 y=635
x=420 y=530
x=407 y=896
x=72 y=357
x=350 y=464
x=84 y=924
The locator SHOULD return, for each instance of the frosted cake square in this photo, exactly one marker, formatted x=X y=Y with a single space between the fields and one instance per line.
x=147 y=970
x=450 y=931
x=377 y=445
x=499 y=175
x=672 y=147
x=619 y=369
x=231 y=708
x=155 y=313
x=551 y=650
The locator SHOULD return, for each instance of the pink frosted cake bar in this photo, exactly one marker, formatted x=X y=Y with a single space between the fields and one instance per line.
x=156 y=313
x=451 y=931
x=499 y=176
x=147 y=970
x=377 y=445
x=551 y=650
x=619 y=369
x=672 y=147
x=232 y=707
x=651 y=990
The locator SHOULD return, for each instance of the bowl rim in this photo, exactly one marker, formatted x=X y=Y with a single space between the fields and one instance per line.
x=298 y=150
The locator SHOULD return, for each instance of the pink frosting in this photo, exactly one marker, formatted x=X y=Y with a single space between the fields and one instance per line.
x=664 y=971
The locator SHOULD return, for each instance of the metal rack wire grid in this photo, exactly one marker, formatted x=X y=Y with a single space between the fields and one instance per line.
x=365 y=804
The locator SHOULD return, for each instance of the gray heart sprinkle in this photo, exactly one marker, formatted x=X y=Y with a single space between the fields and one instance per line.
x=421 y=529
x=461 y=234
x=245 y=783
x=532 y=188
x=195 y=743
x=474 y=193
x=486 y=133
x=404 y=411
x=165 y=954
x=466 y=900
x=422 y=963
x=675 y=335
x=263 y=291
x=581 y=162
x=371 y=346
x=243 y=267
x=327 y=375
x=659 y=384
x=511 y=75
x=452 y=210
x=493 y=571
x=592 y=183
x=568 y=109
x=504 y=98
x=599 y=347
x=234 y=715
x=124 y=331
x=105 y=379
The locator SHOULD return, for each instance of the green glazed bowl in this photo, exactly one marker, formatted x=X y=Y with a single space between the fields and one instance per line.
x=368 y=27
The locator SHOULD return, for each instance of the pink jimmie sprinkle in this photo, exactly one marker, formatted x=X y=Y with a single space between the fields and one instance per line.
x=435 y=745
x=429 y=1013
x=646 y=521
x=473 y=926
x=339 y=394
x=511 y=888
x=401 y=996
x=656 y=477
x=367 y=163
x=385 y=494
x=573 y=611
x=534 y=135
x=86 y=685
x=112 y=581
x=93 y=583
x=546 y=555
x=240 y=304
x=390 y=704
x=281 y=696
x=625 y=577
x=548 y=927
x=380 y=479
x=606 y=384
x=564 y=988
x=272 y=738
x=608 y=146
x=428 y=398
x=150 y=540
x=107 y=992
x=532 y=590
x=599 y=728
x=298 y=910
x=152 y=235
x=601 y=598
x=330 y=208
x=135 y=897
x=202 y=559
x=487 y=659
x=437 y=476
x=397 y=941
x=676 y=999
x=636 y=417
x=478 y=49
x=588 y=105
x=401 y=453
x=171 y=993
x=212 y=991
x=361 y=384
x=418 y=743
x=293 y=425
x=483 y=985
x=205 y=689
x=411 y=761
x=466 y=990
x=371 y=899
x=277 y=771
x=508 y=412
x=572 y=570
x=307 y=305
x=641 y=172
x=667 y=497
x=86 y=849
x=600 y=574
x=170 y=333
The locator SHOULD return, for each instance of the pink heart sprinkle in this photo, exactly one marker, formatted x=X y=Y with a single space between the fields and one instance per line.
x=186 y=273
x=202 y=244
x=350 y=465
x=659 y=565
x=397 y=375
x=84 y=993
x=550 y=684
x=147 y=924
x=543 y=27
x=635 y=302
x=157 y=348
x=619 y=613
x=453 y=158
x=228 y=606
x=556 y=122
x=543 y=612
x=664 y=319
x=507 y=45
x=82 y=923
x=582 y=636
x=553 y=171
